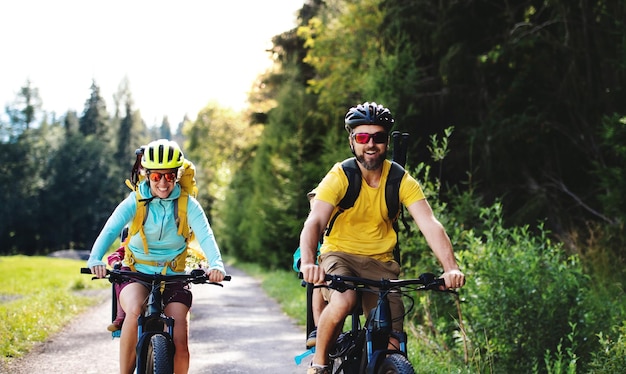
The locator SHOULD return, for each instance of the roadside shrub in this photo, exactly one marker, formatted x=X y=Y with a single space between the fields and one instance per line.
x=523 y=294
x=611 y=358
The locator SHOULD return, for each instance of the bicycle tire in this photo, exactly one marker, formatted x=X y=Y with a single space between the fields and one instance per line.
x=395 y=363
x=159 y=359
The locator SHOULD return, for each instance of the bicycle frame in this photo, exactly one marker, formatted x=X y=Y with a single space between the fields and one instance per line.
x=154 y=322
x=364 y=349
x=155 y=330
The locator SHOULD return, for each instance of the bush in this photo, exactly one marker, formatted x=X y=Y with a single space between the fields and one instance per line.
x=611 y=358
x=523 y=296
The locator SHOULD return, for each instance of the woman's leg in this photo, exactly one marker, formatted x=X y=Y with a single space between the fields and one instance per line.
x=132 y=299
x=180 y=313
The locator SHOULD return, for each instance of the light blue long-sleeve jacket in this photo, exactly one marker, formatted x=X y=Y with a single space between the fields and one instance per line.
x=161 y=232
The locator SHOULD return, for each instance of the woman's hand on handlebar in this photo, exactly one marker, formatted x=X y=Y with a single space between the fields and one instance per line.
x=454 y=279
x=214 y=275
x=99 y=271
x=312 y=273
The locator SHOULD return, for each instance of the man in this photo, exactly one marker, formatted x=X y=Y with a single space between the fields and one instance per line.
x=362 y=238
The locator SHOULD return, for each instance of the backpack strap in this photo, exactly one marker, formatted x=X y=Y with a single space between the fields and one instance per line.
x=180 y=213
x=136 y=226
x=353 y=173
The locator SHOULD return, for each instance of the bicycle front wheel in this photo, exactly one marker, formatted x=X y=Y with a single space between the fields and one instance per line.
x=159 y=358
x=396 y=363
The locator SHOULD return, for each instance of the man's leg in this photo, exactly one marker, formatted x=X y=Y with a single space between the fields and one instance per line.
x=331 y=322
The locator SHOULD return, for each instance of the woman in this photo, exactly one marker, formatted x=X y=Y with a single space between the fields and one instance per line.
x=161 y=162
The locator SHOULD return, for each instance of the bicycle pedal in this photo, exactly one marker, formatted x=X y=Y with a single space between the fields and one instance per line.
x=303 y=355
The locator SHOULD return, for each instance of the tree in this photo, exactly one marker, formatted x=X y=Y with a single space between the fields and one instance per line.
x=79 y=208
x=23 y=112
x=216 y=143
x=23 y=167
x=70 y=123
x=94 y=118
x=165 y=130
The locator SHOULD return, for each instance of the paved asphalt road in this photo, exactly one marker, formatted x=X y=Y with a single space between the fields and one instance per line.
x=234 y=329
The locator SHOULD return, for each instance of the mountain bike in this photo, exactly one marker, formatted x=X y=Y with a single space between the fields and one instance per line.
x=155 y=333
x=364 y=347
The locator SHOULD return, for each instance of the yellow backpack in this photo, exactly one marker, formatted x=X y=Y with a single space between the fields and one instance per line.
x=188 y=186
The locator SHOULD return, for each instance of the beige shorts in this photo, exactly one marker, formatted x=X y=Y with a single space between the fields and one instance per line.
x=340 y=263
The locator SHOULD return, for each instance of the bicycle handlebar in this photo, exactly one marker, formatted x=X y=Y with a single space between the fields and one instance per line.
x=196 y=276
x=426 y=281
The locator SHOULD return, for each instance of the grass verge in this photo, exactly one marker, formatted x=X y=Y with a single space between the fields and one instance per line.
x=38 y=296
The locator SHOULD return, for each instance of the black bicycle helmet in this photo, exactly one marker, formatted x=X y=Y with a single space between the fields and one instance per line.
x=369 y=114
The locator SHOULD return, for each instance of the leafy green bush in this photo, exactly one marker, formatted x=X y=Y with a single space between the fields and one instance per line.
x=523 y=298
x=611 y=358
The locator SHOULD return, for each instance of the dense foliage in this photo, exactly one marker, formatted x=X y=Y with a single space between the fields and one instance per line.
x=529 y=184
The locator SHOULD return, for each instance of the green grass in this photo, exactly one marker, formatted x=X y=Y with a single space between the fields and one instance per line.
x=38 y=296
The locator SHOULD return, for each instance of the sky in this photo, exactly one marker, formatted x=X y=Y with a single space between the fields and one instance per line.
x=178 y=56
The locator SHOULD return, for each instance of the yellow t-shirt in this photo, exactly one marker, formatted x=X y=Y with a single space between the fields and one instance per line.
x=365 y=229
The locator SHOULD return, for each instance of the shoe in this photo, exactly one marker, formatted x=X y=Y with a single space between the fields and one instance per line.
x=115 y=325
x=318 y=370
x=311 y=339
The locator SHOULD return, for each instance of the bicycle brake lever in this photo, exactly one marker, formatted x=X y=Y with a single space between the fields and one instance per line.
x=338 y=285
x=427 y=278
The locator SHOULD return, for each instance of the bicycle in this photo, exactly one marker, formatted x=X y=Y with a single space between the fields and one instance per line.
x=364 y=348
x=155 y=333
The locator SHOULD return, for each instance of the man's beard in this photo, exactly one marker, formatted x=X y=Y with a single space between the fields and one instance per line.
x=374 y=164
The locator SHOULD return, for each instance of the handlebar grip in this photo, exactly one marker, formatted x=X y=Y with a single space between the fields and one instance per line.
x=85 y=271
x=201 y=273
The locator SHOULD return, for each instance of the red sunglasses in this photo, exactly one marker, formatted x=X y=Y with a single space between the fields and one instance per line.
x=156 y=177
x=364 y=138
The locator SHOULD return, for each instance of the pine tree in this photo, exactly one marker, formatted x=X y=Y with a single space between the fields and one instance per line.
x=94 y=118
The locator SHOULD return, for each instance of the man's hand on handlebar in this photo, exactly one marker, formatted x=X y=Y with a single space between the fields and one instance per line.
x=312 y=273
x=454 y=279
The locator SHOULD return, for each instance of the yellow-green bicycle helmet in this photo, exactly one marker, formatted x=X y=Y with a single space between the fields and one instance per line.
x=162 y=154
